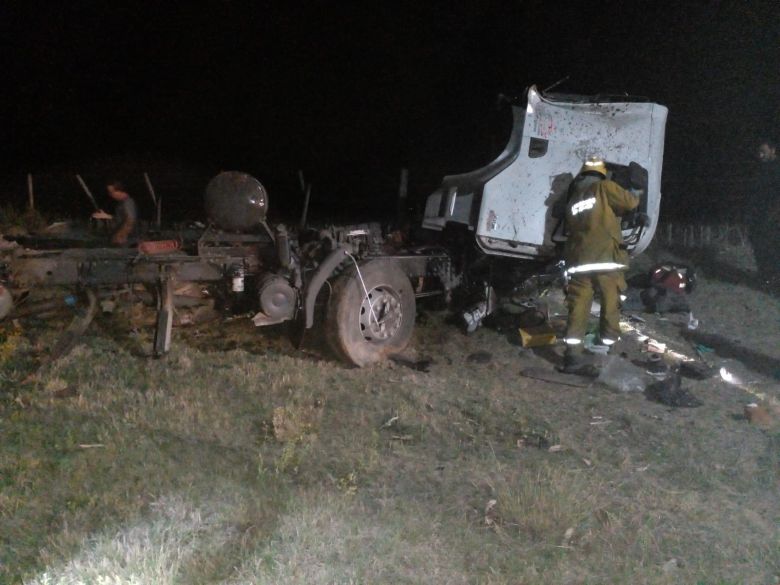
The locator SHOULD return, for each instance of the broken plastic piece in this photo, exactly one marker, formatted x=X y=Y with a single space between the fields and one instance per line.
x=656 y=346
x=622 y=375
x=729 y=377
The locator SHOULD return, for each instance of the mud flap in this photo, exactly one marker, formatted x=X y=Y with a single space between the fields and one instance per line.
x=77 y=327
x=162 y=334
x=322 y=274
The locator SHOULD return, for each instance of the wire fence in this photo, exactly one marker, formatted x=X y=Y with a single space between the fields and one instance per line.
x=698 y=235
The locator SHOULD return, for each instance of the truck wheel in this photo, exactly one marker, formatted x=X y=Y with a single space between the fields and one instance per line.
x=366 y=328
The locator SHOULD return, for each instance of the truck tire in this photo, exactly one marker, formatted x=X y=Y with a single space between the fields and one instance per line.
x=364 y=329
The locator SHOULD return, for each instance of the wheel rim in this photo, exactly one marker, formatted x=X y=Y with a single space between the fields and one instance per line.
x=380 y=314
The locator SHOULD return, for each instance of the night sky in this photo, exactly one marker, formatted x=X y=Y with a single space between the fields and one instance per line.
x=351 y=95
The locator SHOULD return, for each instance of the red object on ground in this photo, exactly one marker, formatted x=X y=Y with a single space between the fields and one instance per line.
x=672 y=277
x=159 y=246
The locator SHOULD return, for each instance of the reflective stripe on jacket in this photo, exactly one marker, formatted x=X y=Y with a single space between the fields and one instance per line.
x=593 y=220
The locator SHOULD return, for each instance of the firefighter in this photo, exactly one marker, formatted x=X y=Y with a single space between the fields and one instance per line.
x=596 y=259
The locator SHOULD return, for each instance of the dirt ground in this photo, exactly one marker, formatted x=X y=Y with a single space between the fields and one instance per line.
x=241 y=459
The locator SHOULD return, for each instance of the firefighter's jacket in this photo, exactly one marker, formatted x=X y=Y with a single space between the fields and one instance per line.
x=595 y=241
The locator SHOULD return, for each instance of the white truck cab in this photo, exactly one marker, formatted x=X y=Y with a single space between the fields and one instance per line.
x=509 y=204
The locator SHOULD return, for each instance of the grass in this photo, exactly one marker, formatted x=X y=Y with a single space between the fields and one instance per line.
x=255 y=463
x=27 y=220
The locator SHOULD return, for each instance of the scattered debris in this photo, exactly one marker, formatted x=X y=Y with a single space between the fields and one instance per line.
x=555 y=377
x=669 y=288
x=490 y=513
x=655 y=346
x=421 y=365
x=670 y=393
x=670 y=566
x=696 y=370
x=555 y=448
x=620 y=374
x=538 y=436
x=702 y=349
x=759 y=415
x=480 y=357
x=568 y=535
x=656 y=367
x=537 y=336
x=730 y=378
x=693 y=324
x=390 y=422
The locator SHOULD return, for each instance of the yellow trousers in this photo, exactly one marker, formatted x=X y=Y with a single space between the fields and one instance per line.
x=579 y=297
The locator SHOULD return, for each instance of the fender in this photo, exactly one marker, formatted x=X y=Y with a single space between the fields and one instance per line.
x=322 y=274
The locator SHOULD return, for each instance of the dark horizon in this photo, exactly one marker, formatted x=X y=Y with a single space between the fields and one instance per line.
x=352 y=95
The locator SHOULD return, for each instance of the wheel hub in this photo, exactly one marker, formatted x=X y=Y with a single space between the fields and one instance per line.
x=380 y=314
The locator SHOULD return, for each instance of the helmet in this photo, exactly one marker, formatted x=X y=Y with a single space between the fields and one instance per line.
x=596 y=164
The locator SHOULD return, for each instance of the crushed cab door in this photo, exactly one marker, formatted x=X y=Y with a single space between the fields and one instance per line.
x=517 y=208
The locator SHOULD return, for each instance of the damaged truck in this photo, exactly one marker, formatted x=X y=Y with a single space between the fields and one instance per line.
x=483 y=233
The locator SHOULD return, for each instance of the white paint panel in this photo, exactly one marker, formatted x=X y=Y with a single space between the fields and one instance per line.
x=515 y=215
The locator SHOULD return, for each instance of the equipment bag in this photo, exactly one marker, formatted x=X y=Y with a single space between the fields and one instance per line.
x=669 y=286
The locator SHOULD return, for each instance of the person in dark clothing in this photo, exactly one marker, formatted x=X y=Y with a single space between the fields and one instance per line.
x=763 y=216
x=125 y=218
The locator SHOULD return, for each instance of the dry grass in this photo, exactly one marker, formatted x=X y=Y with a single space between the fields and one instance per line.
x=254 y=463
x=22 y=221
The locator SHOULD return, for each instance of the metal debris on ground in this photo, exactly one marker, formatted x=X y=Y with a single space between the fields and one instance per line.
x=671 y=393
x=555 y=377
x=656 y=367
